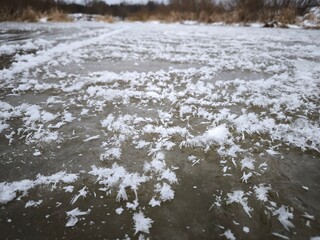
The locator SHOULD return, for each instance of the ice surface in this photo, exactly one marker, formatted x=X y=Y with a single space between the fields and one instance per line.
x=184 y=118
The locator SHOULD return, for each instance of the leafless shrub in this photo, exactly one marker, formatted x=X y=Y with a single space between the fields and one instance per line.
x=29 y=15
x=56 y=15
x=207 y=11
x=104 y=18
x=142 y=15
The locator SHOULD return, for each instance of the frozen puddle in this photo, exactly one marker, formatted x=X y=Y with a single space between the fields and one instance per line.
x=130 y=130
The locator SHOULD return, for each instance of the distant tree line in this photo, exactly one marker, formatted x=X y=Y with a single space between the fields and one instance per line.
x=175 y=10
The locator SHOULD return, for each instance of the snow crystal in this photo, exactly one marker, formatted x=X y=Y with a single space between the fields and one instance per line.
x=68 y=117
x=84 y=111
x=118 y=176
x=9 y=191
x=193 y=159
x=119 y=210
x=108 y=121
x=82 y=193
x=238 y=196
x=3 y=126
x=68 y=189
x=170 y=176
x=47 y=117
x=308 y=216
x=55 y=178
x=112 y=153
x=157 y=165
x=142 y=223
x=153 y=202
x=32 y=203
x=229 y=235
x=247 y=163
x=284 y=217
x=245 y=177
x=91 y=138
x=122 y=194
x=272 y=152
x=73 y=216
x=36 y=153
x=165 y=116
x=261 y=192
x=142 y=144
x=280 y=235
x=218 y=134
x=134 y=205
x=246 y=229
x=32 y=113
x=58 y=125
x=165 y=191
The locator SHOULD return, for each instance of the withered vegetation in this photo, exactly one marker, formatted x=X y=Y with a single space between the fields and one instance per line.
x=207 y=11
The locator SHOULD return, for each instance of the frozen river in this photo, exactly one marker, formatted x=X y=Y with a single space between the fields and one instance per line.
x=161 y=131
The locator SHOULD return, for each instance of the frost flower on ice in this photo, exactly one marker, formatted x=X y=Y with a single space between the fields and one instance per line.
x=112 y=153
x=141 y=223
x=245 y=177
x=261 y=192
x=165 y=191
x=8 y=191
x=229 y=235
x=284 y=217
x=170 y=176
x=247 y=163
x=153 y=202
x=217 y=135
x=32 y=203
x=73 y=216
x=82 y=193
x=239 y=197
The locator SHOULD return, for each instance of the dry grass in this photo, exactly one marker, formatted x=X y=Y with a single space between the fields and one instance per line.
x=56 y=15
x=284 y=16
x=287 y=16
x=204 y=17
x=104 y=18
x=29 y=15
x=271 y=17
x=206 y=14
x=175 y=16
x=310 y=17
x=141 y=16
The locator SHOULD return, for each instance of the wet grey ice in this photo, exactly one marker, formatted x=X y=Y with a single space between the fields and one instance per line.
x=134 y=130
